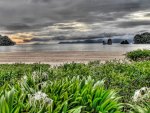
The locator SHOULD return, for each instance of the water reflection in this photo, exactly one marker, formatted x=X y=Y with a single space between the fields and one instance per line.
x=73 y=47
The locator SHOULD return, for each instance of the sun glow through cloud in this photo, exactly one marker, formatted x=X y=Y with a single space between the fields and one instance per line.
x=75 y=26
x=20 y=37
x=140 y=15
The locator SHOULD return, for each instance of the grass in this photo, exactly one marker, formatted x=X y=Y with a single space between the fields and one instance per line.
x=139 y=55
x=74 y=88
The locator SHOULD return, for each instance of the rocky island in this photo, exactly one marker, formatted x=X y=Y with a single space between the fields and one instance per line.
x=6 y=41
x=143 y=38
x=124 y=42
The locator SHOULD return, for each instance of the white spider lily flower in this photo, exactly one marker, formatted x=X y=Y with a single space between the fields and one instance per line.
x=99 y=84
x=25 y=77
x=48 y=101
x=34 y=73
x=141 y=94
x=40 y=97
x=137 y=95
x=37 y=75
x=39 y=93
x=42 y=85
x=45 y=75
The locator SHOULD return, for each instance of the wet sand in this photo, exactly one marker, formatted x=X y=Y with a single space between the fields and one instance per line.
x=56 y=58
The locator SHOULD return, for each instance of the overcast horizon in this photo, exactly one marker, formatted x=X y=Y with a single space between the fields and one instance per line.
x=45 y=20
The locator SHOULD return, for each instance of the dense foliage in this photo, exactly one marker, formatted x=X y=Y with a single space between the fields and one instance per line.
x=6 y=41
x=139 y=55
x=73 y=88
x=143 y=38
x=61 y=96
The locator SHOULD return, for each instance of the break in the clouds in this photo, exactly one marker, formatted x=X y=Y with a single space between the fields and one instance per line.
x=45 y=20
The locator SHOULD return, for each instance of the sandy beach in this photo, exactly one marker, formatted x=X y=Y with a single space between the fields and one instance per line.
x=55 y=58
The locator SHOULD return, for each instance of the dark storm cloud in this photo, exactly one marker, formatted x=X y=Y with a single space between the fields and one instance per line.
x=28 y=20
x=130 y=24
x=36 y=1
x=101 y=17
x=19 y=26
x=97 y=15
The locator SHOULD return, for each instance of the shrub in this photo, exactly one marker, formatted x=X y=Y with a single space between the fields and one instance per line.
x=139 y=55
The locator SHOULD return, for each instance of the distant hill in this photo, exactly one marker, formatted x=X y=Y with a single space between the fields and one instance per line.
x=117 y=40
x=143 y=38
x=6 y=41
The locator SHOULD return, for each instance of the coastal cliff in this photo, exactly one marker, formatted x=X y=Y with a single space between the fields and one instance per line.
x=6 y=41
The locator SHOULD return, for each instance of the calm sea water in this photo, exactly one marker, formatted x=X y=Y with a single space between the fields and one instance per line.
x=73 y=47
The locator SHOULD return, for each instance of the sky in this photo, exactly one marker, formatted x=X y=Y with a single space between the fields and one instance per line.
x=28 y=21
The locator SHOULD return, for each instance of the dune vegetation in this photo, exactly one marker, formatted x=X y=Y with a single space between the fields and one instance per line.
x=139 y=55
x=111 y=87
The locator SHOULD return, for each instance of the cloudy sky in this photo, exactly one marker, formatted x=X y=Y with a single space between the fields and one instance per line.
x=46 y=20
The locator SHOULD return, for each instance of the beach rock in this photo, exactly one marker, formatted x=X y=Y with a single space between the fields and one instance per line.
x=5 y=41
x=142 y=38
x=104 y=43
x=109 y=42
x=124 y=42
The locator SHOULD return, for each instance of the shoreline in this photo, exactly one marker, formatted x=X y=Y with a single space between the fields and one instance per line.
x=59 y=57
